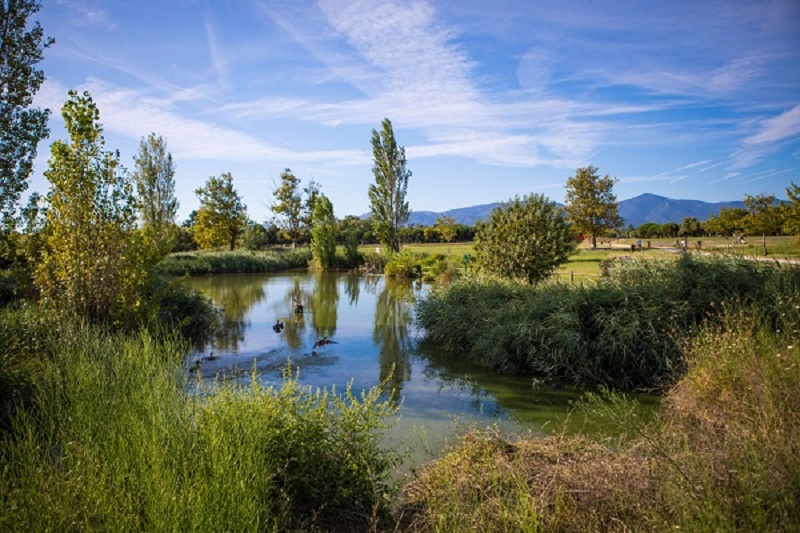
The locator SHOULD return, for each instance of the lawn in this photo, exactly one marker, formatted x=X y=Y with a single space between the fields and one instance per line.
x=585 y=265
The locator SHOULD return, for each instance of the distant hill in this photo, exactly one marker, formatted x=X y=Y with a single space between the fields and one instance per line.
x=653 y=208
x=636 y=211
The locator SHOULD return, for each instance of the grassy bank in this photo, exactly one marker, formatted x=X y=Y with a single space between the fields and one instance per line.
x=109 y=439
x=723 y=455
x=238 y=262
x=624 y=331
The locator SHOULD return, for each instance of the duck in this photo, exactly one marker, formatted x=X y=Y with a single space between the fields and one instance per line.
x=211 y=356
x=278 y=327
x=197 y=366
x=324 y=341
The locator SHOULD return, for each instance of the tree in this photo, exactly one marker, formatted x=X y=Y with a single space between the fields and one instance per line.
x=222 y=216
x=324 y=231
x=729 y=221
x=387 y=196
x=691 y=227
x=288 y=206
x=446 y=227
x=791 y=211
x=311 y=193
x=525 y=238
x=763 y=217
x=155 y=186
x=21 y=126
x=94 y=264
x=591 y=204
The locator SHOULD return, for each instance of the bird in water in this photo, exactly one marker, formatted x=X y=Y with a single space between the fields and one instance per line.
x=197 y=366
x=324 y=341
x=211 y=356
x=278 y=327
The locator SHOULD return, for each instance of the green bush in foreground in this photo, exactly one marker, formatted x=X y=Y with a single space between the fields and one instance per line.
x=114 y=442
x=723 y=455
x=626 y=331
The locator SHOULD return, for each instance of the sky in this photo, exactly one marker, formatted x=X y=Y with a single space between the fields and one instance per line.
x=696 y=99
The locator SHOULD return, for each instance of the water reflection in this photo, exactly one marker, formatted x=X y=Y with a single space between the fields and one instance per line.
x=235 y=297
x=324 y=305
x=390 y=334
x=294 y=322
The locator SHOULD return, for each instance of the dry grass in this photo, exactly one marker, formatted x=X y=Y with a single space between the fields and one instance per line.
x=724 y=454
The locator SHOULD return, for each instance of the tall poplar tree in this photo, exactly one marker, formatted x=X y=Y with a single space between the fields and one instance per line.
x=324 y=231
x=94 y=264
x=387 y=195
x=21 y=126
x=591 y=204
x=155 y=187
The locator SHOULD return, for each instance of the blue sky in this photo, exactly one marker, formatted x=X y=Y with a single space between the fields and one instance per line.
x=686 y=99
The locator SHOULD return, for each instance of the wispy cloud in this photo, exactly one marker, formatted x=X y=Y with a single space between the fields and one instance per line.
x=125 y=111
x=216 y=54
x=769 y=136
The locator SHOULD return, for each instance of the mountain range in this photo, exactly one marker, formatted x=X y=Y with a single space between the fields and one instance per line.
x=636 y=211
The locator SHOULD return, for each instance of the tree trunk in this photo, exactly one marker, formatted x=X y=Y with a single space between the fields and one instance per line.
x=764 y=242
x=594 y=241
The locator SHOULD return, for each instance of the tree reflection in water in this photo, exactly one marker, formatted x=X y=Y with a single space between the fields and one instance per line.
x=393 y=316
x=234 y=296
x=324 y=304
x=295 y=323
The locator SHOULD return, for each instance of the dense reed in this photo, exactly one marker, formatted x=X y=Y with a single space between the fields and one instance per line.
x=203 y=263
x=625 y=331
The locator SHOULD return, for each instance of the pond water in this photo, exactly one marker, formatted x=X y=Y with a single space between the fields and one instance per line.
x=370 y=321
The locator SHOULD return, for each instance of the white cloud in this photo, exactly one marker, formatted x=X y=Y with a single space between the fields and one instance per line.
x=771 y=134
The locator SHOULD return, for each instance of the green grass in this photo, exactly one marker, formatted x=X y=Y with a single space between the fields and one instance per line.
x=109 y=439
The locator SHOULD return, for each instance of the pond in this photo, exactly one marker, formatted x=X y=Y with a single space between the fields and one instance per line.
x=370 y=323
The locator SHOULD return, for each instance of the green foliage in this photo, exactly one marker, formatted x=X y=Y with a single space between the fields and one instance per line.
x=525 y=239
x=155 y=187
x=591 y=204
x=763 y=217
x=112 y=441
x=352 y=256
x=387 y=196
x=729 y=221
x=626 y=331
x=256 y=237
x=21 y=126
x=288 y=206
x=222 y=216
x=94 y=264
x=691 y=227
x=324 y=232
x=446 y=226
x=791 y=211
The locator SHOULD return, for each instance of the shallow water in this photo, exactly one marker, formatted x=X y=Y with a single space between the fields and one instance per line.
x=370 y=321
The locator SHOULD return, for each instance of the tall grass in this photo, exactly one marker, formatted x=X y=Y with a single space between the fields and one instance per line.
x=113 y=441
x=625 y=331
x=724 y=454
x=238 y=262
